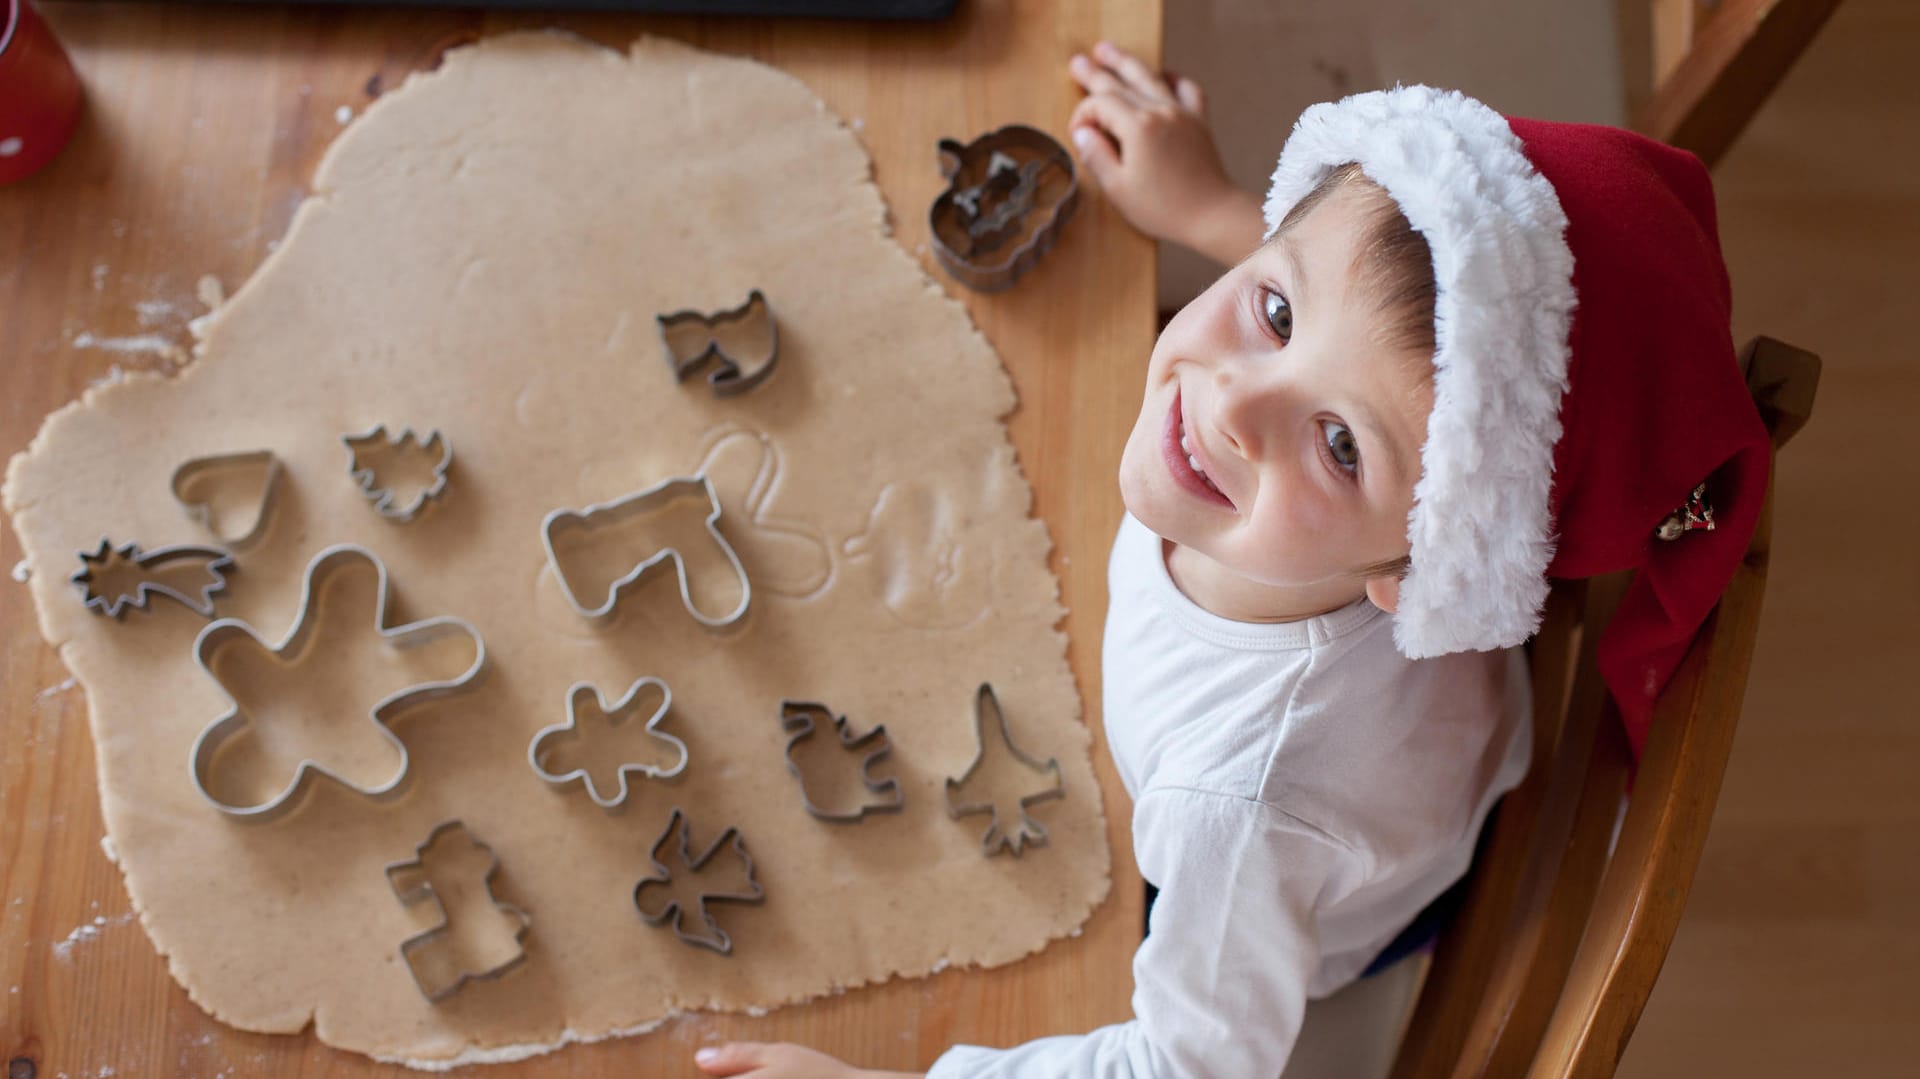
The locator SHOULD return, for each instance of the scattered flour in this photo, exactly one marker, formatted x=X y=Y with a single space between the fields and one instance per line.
x=54 y=691
x=22 y=572
x=153 y=312
x=84 y=932
x=209 y=291
x=100 y=270
x=107 y=848
x=148 y=344
x=343 y=114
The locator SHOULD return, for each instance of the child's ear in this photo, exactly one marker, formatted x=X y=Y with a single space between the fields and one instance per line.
x=1384 y=592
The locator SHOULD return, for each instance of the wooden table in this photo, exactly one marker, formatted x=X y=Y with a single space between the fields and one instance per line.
x=202 y=129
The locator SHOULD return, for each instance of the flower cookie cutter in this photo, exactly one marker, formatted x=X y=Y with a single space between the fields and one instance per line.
x=616 y=713
x=422 y=891
x=1009 y=194
x=639 y=504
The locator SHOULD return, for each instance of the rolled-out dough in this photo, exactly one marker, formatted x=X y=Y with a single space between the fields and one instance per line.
x=483 y=254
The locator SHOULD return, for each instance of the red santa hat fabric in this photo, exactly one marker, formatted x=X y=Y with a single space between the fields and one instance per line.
x=1584 y=381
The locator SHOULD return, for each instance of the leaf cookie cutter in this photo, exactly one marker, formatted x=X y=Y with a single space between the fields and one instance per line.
x=616 y=713
x=218 y=562
x=638 y=504
x=320 y=570
x=801 y=718
x=424 y=892
x=981 y=227
x=731 y=375
x=382 y=497
x=996 y=838
x=716 y=938
x=191 y=471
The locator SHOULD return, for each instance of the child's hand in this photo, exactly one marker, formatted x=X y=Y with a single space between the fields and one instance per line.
x=780 y=1061
x=1144 y=137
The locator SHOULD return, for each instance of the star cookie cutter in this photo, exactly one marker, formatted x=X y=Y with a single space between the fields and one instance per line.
x=217 y=561
x=1009 y=194
x=616 y=713
x=716 y=938
x=731 y=375
x=801 y=718
x=634 y=505
x=381 y=497
x=423 y=892
x=995 y=838
x=193 y=471
x=321 y=569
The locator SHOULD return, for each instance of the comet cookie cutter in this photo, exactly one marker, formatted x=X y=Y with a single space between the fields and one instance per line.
x=190 y=472
x=800 y=719
x=983 y=227
x=637 y=504
x=994 y=839
x=731 y=375
x=424 y=892
x=382 y=497
x=218 y=562
x=616 y=713
x=323 y=566
x=717 y=938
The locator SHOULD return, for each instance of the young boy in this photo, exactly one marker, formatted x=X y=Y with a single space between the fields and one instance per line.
x=1471 y=355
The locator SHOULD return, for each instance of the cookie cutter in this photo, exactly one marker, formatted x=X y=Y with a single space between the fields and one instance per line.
x=382 y=497
x=1030 y=831
x=996 y=184
x=615 y=714
x=321 y=569
x=716 y=938
x=218 y=562
x=423 y=892
x=730 y=377
x=800 y=719
x=202 y=514
x=638 y=504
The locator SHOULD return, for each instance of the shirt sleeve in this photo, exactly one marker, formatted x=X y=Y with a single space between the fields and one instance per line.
x=1220 y=984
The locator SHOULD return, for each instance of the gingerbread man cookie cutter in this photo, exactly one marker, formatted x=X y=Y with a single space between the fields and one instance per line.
x=617 y=712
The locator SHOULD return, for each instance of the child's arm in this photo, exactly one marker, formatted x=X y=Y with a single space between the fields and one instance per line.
x=1143 y=136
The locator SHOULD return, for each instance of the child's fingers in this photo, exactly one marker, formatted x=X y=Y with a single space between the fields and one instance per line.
x=1113 y=115
x=1098 y=154
x=730 y=1059
x=1095 y=79
x=1137 y=76
x=1190 y=96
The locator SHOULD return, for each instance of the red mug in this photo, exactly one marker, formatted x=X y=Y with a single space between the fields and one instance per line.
x=39 y=94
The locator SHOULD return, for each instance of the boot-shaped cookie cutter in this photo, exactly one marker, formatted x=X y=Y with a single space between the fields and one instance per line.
x=423 y=892
x=639 y=504
x=382 y=497
x=201 y=513
x=324 y=565
x=800 y=719
x=216 y=561
x=615 y=713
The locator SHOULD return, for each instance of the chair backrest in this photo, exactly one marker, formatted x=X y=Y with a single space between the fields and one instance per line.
x=1579 y=887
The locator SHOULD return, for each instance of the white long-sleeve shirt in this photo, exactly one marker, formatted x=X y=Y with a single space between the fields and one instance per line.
x=1301 y=791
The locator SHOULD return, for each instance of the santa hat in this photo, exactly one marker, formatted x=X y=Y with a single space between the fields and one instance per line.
x=1584 y=379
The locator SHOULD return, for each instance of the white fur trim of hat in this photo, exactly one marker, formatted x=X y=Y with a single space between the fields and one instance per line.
x=1481 y=525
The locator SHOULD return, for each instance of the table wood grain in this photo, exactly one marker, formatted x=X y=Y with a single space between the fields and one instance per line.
x=202 y=129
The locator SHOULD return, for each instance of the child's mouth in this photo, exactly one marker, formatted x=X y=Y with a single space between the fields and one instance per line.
x=1184 y=463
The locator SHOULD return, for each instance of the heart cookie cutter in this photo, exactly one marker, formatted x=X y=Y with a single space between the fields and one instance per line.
x=192 y=472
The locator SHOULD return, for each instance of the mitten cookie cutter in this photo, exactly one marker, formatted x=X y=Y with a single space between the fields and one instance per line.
x=582 y=690
x=731 y=375
x=424 y=892
x=218 y=562
x=382 y=497
x=638 y=504
x=981 y=227
x=717 y=938
x=800 y=719
x=1031 y=832
x=190 y=471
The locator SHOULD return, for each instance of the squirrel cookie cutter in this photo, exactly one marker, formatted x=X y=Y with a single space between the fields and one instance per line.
x=320 y=570
x=800 y=719
x=731 y=375
x=382 y=497
x=423 y=892
x=1030 y=831
x=638 y=504
x=716 y=938
x=982 y=227
x=217 y=561
x=193 y=470
x=616 y=713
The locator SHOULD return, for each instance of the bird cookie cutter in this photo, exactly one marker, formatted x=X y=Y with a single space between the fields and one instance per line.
x=217 y=563
x=382 y=497
x=193 y=471
x=690 y=342
x=423 y=892
x=716 y=938
x=638 y=504
x=206 y=747
x=800 y=719
x=616 y=713
x=1009 y=194
x=1030 y=832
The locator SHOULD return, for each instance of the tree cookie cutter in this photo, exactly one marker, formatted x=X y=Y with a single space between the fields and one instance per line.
x=320 y=570
x=638 y=504
x=715 y=938
x=731 y=375
x=423 y=892
x=382 y=497
x=801 y=718
x=1029 y=831
x=1009 y=193
x=190 y=472
x=217 y=563
x=616 y=713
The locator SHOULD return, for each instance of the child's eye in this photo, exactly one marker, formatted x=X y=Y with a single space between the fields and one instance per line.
x=1278 y=313
x=1341 y=445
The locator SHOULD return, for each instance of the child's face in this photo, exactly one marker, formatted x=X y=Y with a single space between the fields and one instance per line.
x=1306 y=432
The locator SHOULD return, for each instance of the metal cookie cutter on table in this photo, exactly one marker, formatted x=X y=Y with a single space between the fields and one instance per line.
x=997 y=837
x=423 y=892
x=801 y=718
x=716 y=938
x=1010 y=192
x=615 y=713
x=186 y=477
x=323 y=566
x=382 y=497
x=634 y=505
x=215 y=561
x=731 y=375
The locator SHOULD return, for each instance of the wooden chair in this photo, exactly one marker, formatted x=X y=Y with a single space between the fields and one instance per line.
x=1579 y=888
